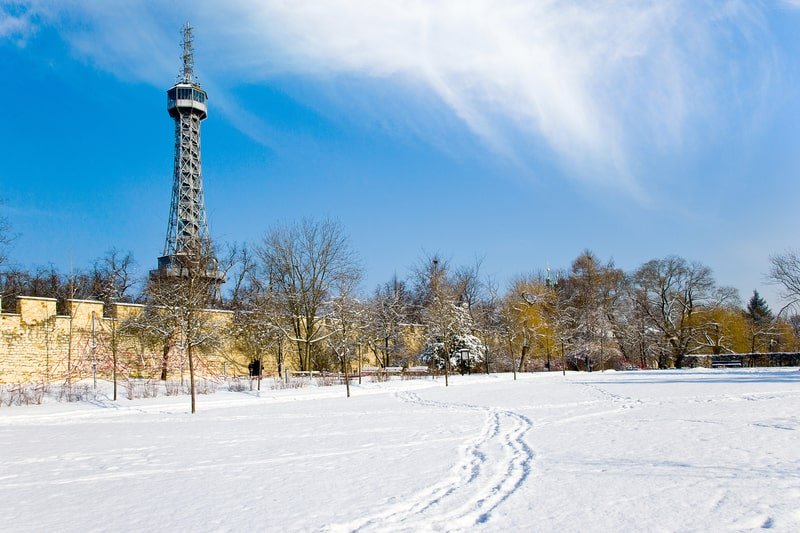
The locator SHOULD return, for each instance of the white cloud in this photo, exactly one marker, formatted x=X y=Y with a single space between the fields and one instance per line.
x=596 y=81
x=15 y=23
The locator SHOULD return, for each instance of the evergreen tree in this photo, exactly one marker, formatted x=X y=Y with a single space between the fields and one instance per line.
x=758 y=311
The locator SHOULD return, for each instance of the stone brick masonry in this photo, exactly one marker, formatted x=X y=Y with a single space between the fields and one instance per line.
x=38 y=345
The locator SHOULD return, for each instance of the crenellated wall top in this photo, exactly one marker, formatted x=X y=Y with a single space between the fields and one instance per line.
x=37 y=309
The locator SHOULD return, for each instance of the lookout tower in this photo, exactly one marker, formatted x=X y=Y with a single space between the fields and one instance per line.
x=188 y=242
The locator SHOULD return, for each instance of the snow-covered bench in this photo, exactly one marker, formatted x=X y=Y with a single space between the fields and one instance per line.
x=726 y=360
x=415 y=372
x=726 y=363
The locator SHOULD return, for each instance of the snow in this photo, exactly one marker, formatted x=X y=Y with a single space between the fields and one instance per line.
x=697 y=450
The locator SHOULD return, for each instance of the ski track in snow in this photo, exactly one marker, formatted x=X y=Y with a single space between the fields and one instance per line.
x=487 y=471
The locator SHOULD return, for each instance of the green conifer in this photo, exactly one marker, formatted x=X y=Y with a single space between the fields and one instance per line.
x=758 y=311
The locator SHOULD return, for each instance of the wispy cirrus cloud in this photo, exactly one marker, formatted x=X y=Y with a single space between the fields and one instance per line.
x=594 y=81
x=15 y=23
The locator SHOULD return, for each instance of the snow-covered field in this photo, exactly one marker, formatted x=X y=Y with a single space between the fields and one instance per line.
x=701 y=450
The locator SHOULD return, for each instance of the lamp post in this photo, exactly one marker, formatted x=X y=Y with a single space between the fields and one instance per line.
x=464 y=352
x=548 y=354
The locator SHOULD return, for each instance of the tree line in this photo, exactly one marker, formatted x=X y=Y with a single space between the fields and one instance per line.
x=297 y=302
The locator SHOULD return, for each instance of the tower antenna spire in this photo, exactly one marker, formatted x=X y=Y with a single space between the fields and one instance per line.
x=188 y=55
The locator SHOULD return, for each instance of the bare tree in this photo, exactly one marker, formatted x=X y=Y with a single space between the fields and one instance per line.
x=13 y=283
x=640 y=342
x=445 y=314
x=304 y=263
x=510 y=332
x=785 y=272
x=6 y=236
x=255 y=332
x=592 y=292
x=154 y=329
x=255 y=323
x=469 y=284
x=388 y=310
x=176 y=304
x=347 y=318
x=672 y=293
x=487 y=320
x=114 y=273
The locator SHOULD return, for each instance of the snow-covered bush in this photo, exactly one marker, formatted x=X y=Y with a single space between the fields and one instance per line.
x=69 y=392
x=238 y=385
x=205 y=386
x=279 y=384
x=435 y=351
x=450 y=332
x=141 y=389
x=172 y=388
x=23 y=394
x=327 y=381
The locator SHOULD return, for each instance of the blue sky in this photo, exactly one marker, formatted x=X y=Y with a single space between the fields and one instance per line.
x=520 y=132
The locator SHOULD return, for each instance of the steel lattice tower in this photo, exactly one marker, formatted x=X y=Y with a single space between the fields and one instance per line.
x=187 y=232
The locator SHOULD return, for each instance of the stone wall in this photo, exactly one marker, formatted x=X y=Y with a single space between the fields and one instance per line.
x=36 y=344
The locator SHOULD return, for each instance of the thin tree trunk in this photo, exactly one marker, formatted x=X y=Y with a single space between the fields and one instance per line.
x=513 y=360
x=346 y=375
x=191 y=373
x=280 y=358
x=522 y=359
x=300 y=358
x=164 y=362
x=307 y=355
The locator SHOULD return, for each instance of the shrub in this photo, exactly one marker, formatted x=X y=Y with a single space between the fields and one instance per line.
x=205 y=386
x=69 y=392
x=238 y=385
x=172 y=388
x=279 y=384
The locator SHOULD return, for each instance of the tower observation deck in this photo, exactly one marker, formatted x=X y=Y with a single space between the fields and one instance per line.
x=188 y=243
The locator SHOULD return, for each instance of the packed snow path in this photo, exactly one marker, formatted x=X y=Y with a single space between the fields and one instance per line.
x=485 y=473
x=702 y=450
